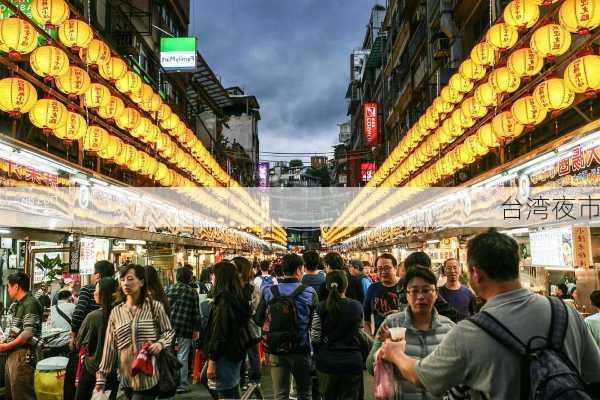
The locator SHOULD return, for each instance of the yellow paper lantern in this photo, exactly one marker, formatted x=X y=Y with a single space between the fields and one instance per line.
x=553 y=94
x=140 y=129
x=431 y=118
x=113 y=109
x=441 y=106
x=96 y=96
x=469 y=69
x=452 y=128
x=17 y=37
x=162 y=172
x=128 y=119
x=73 y=129
x=583 y=74
x=129 y=83
x=487 y=137
x=131 y=158
x=465 y=154
x=486 y=96
x=521 y=14
x=75 y=34
x=74 y=83
x=504 y=81
x=125 y=154
x=49 y=62
x=113 y=147
x=460 y=84
x=164 y=112
x=189 y=139
x=483 y=54
x=449 y=95
x=95 y=139
x=478 y=148
x=113 y=70
x=527 y=111
x=17 y=96
x=151 y=134
x=579 y=16
x=48 y=114
x=148 y=165
x=472 y=109
x=525 y=62
x=502 y=36
x=143 y=95
x=460 y=119
x=550 y=40
x=179 y=131
x=97 y=53
x=505 y=126
x=153 y=104
x=50 y=13
x=170 y=123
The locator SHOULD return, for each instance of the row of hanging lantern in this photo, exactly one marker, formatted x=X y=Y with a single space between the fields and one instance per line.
x=18 y=37
x=451 y=114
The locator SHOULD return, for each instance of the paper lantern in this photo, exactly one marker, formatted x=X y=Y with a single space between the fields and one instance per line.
x=179 y=131
x=188 y=139
x=502 y=36
x=553 y=94
x=148 y=164
x=128 y=119
x=96 y=96
x=521 y=14
x=465 y=154
x=125 y=154
x=487 y=137
x=151 y=134
x=49 y=62
x=97 y=53
x=17 y=96
x=460 y=119
x=478 y=148
x=132 y=160
x=95 y=139
x=550 y=40
x=583 y=74
x=75 y=34
x=165 y=146
x=164 y=112
x=469 y=69
x=483 y=54
x=450 y=95
x=113 y=109
x=525 y=62
x=74 y=83
x=452 y=128
x=442 y=107
x=472 y=109
x=170 y=123
x=527 y=111
x=113 y=70
x=140 y=129
x=545 y=2
x=129 y=83
x=153 y=104
x=50 y=13
x=112 y=149
x=161 y=172
x=73 y=129
x=48 y=115
x=431 y=118
x=485 y=95
x=504 y=81
x=17 y=37
x=579 y=16
x=505 y=126
x=460 y=84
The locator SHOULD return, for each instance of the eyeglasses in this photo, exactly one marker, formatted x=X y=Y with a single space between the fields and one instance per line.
x=424 y=291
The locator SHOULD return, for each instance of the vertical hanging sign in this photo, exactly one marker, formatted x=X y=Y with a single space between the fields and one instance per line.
x=370 y=124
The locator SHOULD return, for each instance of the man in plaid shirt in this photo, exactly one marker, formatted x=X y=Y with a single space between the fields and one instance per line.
x=185 y=319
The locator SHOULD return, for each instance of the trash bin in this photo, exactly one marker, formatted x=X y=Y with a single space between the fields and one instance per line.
x=50 y=378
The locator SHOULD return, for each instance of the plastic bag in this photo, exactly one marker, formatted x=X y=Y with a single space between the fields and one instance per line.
x=143 y=362
x=385 y=382
x=100 y=395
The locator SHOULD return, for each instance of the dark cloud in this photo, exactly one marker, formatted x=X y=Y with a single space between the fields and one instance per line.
x=292 y=54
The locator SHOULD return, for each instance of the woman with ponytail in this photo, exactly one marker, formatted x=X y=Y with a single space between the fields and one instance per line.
x=334 y=335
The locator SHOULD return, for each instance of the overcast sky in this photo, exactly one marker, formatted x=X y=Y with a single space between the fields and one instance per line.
x=293 y=55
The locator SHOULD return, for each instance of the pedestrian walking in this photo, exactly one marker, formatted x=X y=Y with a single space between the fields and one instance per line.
x=357 y=271
x=383 y=297
x=334 y=261
x=263 y=281
x=458 y=296
x=313 y=274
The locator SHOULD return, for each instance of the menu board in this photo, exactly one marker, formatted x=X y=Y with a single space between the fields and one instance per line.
x=92 y=250
x=552 y=248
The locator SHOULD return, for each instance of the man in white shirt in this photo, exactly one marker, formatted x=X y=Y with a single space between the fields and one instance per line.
x=60 y=320
x=264 y=280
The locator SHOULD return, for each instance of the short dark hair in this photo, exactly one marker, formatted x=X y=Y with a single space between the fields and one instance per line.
x=595 y=298
x=420 y=272
x=387 y=256
x=291 y=263
x=334 y=260
x=312 y=260
x=184 y=275
x=189 y=266
x=417 y=258
x=265 y=265
x=19 y=278
x=496 y=254
x=357 y=264
x=105 y=268
x=64 y=295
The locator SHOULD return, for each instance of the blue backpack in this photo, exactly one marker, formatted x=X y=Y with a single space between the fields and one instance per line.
x=265 y=282
x=548 y=374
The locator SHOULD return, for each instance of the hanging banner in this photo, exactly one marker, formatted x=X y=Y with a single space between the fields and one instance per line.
x=370 y=124
x=582 y=247
x=74 y=255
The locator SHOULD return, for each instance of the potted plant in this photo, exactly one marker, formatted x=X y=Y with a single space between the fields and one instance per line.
x=52 y=268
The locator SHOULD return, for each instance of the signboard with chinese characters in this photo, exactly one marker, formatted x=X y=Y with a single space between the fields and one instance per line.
x=367 y=169
x=92 y=250
x=552 y=248
x=582 y=247
x=178 y=53
x=370 y=124
x=580 y=167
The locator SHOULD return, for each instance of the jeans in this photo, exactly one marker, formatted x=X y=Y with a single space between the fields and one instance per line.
x=297 y=365
x=340 y=387
x=183 y=355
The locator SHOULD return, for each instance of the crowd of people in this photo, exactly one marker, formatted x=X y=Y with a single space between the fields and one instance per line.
x=319 y=323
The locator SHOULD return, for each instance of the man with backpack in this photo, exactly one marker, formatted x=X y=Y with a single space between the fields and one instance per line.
x=263 y=281
x=285 y=312
x=521 y=345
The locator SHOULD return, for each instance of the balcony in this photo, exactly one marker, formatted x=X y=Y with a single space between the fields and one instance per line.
x=417 y=39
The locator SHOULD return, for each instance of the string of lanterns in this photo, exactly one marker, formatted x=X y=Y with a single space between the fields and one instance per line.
x=454 y=111
x=18 y=37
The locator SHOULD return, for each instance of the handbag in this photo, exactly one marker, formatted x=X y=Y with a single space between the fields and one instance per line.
x=168 y=365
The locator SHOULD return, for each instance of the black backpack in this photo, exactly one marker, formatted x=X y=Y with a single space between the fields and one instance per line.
x=280 y=332
x=548 y=374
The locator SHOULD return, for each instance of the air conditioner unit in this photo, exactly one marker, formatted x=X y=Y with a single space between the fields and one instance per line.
x=441 y=48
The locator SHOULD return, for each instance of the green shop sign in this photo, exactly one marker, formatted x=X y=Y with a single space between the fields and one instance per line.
x=178 y=53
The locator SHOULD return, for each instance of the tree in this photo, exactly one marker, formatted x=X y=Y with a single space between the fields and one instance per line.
x=296 y=163
x=322 y=173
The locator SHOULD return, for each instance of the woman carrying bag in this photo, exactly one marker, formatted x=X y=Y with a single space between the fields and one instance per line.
x=136 y=325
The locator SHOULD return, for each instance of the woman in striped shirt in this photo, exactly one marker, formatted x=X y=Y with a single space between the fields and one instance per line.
x=139 y=319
